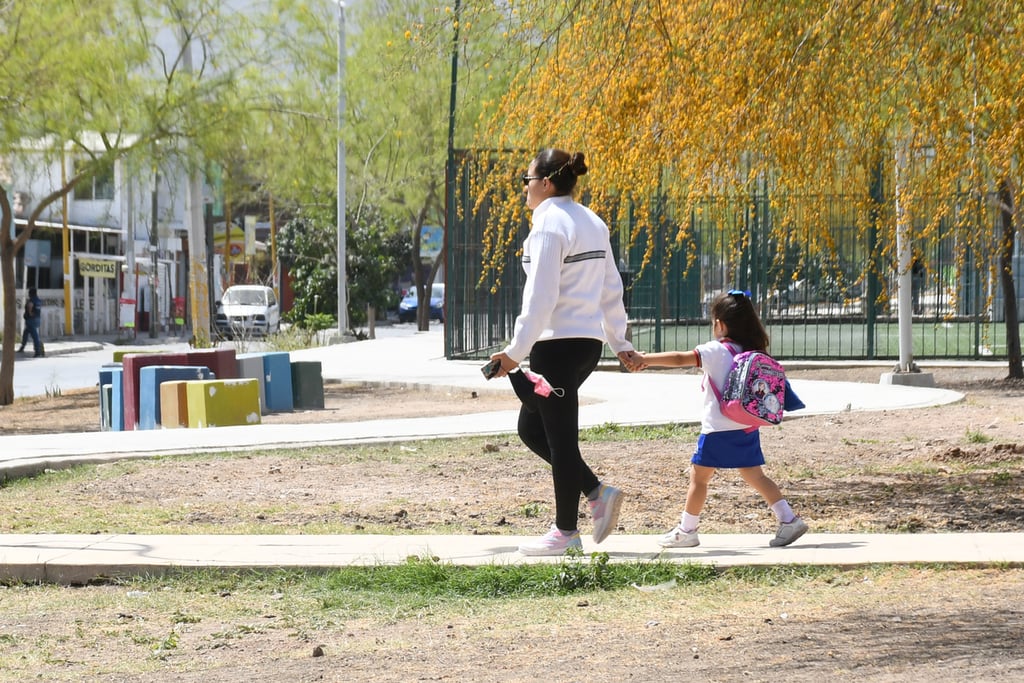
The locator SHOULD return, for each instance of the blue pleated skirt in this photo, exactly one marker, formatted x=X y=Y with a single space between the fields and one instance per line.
x=734 y=448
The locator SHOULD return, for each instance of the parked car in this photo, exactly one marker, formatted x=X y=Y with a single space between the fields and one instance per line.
x=410 y=302
x=248 y=311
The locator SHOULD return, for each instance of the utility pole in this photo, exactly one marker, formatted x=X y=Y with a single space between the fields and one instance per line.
x=198 y=278
x=154 y=309
x=342 y=276
x=65 y=233
x=449 y=180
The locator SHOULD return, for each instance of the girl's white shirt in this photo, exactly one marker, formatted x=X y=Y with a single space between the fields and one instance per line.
x=573 y=288
x=715 y=361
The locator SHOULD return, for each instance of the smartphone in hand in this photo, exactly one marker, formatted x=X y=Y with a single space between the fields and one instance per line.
x=491 y=368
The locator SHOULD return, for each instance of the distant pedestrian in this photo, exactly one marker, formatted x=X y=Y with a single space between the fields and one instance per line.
x=723 y=443
x=917 y=275
x=33 y=316
x=572 y=304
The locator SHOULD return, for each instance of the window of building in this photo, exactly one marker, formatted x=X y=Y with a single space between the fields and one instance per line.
x=99 y=185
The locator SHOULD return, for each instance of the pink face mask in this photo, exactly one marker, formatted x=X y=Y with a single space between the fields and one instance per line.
x=541 y=386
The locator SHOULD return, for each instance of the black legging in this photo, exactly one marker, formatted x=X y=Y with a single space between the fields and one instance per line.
x=552 y=432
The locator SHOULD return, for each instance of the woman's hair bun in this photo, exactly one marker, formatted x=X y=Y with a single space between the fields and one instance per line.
x=577 y=164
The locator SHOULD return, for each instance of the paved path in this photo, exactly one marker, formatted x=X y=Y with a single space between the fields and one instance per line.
x=416 y=360
x=75 y=559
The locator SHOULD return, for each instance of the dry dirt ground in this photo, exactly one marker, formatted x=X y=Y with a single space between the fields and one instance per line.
x=947 y=469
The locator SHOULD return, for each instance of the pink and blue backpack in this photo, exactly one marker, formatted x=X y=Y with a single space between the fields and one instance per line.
x=755 y=392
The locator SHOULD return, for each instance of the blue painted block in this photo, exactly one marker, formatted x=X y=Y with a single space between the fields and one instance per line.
x=150 y=379
x=277 y=376
x=106 y=379
x=250 y=366
x=116 y=400
x=105 y=393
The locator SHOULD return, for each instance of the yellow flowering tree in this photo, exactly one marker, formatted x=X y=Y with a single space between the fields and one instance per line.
x=676 y=101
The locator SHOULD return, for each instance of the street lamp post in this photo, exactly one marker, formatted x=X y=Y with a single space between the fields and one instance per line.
x=342 y=301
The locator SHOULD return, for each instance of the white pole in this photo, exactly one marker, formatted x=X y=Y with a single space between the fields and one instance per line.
x=198 y=279
x=904 y=250
x=342 y=302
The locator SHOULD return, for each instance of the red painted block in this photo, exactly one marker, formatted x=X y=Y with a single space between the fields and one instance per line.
x=222 y=362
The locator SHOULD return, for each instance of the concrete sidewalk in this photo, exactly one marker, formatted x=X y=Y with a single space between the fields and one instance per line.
x=78 y=559
x=416 y=360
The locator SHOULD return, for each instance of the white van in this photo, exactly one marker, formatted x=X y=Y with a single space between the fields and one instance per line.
x=248 y=311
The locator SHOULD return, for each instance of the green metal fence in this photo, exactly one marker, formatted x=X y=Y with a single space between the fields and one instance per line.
x=837 y=302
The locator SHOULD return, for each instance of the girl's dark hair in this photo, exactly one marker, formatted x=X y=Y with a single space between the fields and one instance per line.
x=561 y=168
x=736 y=311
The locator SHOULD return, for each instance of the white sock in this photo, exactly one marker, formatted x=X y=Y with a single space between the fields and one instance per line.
x=690 y=522
x=783 y=512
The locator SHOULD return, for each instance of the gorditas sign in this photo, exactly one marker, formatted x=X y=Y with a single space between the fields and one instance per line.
x=89 y=267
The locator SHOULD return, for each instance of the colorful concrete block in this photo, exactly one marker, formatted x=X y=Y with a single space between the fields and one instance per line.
x=307 y=385
x=150 y=379
x=250 y=365
x=105 y=394
x=106 y=378
x=221 y=363
x=223 y=402
x=121 y=353
x=133 y=364
x=174 y=404
x=277 y=369
x=116 y=400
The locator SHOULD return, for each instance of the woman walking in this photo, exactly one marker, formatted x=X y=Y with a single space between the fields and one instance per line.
x=572 y=304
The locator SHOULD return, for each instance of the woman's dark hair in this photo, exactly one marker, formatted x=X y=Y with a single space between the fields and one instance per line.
x=561 y=168
x=736 y=311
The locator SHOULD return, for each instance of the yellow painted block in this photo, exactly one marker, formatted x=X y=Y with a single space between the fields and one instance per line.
x=119 y=354
x=223 y=402
x=173 y=404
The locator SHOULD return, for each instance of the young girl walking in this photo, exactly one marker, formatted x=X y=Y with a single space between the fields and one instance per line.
x=723 y=443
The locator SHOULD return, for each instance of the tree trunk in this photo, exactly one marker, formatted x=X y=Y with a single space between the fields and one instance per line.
x=1007 y=212
x=423 y=289
x=10 y=333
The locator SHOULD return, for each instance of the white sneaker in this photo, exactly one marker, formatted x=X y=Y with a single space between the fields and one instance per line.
x=605 y=510
x=677 y=538
x=554 y=542
x=788 y=533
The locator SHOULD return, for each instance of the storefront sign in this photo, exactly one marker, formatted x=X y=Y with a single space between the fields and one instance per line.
x=98 y=267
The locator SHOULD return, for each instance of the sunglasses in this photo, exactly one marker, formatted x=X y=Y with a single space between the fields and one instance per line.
x=738 y=292
x=527 y=178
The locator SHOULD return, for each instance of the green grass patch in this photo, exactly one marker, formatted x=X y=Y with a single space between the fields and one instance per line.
x=976 y=436
x=614 y=432
x=425 y=581
x=417 y=583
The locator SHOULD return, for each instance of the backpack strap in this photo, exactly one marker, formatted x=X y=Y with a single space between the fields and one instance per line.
x=730 y=346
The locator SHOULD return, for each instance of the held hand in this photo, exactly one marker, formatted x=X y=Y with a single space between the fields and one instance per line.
x=507 y=364
x=639 y=362
x=632 y=360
